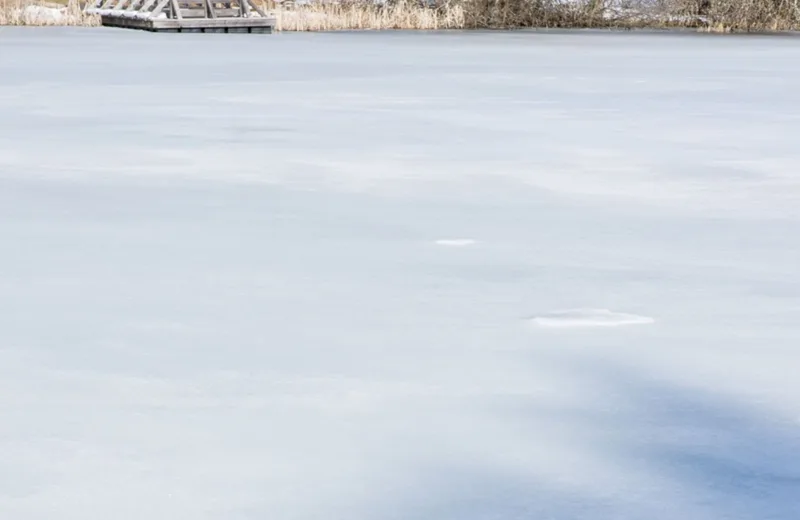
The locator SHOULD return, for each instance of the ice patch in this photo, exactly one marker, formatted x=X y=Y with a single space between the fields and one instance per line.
x=575 y=318
x=455 y=242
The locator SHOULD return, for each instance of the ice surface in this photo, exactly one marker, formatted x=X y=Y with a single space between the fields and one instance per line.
x=455 y=242
x=588 y=318
x=221 y=295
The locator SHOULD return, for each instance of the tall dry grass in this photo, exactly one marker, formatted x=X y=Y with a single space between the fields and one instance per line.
x=328 y=16
x=709 y=15
x=42 y=13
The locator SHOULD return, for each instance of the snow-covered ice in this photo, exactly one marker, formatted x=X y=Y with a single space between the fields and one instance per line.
x=222 y=297
x=579 y=318
x=455 y=242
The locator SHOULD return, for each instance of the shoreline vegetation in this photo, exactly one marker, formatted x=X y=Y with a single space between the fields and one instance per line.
x=327 y=15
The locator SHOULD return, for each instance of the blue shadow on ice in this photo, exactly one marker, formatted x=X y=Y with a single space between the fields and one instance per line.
x=735 y=461
x=725 y=461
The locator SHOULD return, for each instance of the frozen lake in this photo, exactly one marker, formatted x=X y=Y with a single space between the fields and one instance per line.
x=399 y=276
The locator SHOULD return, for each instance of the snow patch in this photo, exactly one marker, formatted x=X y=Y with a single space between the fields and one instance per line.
x=456 y=242
x=42 y=14
x=581 y=318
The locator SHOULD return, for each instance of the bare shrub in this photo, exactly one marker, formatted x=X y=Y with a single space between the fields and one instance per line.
x=743 y=15
x=717 y=15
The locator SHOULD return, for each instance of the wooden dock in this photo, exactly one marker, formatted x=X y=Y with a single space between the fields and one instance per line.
x=196 y=16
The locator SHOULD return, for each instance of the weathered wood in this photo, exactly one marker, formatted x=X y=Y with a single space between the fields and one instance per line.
x=185 y=15
x=210 y=9
x=159 y=8
x=228 y=25
x=241 y=23
x=147 y=5
x=176 y=10
x=201 y=13
x=255 y=7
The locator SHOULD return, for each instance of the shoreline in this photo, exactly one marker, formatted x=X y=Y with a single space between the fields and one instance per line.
x=366 y=16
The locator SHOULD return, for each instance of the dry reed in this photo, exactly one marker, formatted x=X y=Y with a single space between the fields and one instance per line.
x=326 y=16
x=707 y=15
